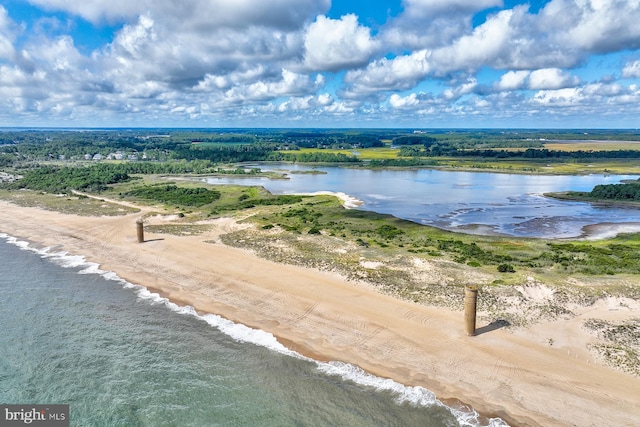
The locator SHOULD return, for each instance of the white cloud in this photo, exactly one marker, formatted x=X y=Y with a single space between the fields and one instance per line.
x=429 y=8
x=306 y=103
x=631 y=70
x=462 y=89
x=290 y=84
x=402 y=72
x=484 y=46
x=551 y=78
x=513 y=80
x=398 y=102
x=7 y=36
x=561 y=35
x=238 y=13
x=334 y=44
x=192 y=60
x=428 y=24
x=596 y=25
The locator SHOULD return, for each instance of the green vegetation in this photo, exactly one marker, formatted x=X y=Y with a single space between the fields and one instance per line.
x=53 y=161
x=607 y=193
x=174 y=195
x=313 y=157
x=55 y=179
x=624 y=192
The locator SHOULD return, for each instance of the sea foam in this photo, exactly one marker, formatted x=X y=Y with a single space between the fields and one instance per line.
x=415 y=395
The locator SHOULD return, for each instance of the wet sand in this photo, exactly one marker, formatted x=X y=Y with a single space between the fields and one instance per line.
x=516 y=376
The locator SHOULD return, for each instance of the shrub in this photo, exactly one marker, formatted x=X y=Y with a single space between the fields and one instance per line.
x=506 y=268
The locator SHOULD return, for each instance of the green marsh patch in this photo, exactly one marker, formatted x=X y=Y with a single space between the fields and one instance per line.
x=174 y=195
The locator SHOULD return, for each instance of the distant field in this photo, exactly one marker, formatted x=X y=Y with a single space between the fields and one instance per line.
x=362 y=153
x=592 y=145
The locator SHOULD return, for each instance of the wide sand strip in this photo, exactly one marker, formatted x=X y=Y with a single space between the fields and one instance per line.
x=515 y=376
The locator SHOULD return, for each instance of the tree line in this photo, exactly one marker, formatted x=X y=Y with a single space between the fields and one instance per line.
x=623 y=192
x=440 y=150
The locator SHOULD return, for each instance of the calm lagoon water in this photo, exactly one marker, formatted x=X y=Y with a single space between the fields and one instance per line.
x=121 y=356
x=511 y=204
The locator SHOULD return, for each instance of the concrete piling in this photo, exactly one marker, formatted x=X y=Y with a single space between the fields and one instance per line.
x=140 y=230
x=470 y=300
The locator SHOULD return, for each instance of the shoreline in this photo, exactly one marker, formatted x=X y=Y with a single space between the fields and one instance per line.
x=313 y=312
x=252 y=334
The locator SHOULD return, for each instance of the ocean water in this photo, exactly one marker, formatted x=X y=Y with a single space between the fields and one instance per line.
x=122 y=356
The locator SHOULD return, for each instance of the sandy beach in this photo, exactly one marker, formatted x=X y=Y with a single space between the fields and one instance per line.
x=515 y=375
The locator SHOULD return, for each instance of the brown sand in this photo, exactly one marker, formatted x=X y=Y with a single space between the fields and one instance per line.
x=516 y=376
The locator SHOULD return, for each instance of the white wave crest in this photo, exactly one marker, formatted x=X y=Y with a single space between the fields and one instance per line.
x=415 y=395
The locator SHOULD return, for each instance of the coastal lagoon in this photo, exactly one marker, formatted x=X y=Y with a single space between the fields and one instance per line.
x=470 y=202
x=120 y=355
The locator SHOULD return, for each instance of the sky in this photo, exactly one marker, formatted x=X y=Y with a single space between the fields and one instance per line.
x=320 y=63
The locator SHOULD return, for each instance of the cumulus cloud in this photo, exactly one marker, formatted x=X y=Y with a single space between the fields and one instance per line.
x=291 y=84
x=402 y=72
x=551 y=78
x=398 y=102
x=631 y=70
x=562 y=34
x=223 y=60
x=334 y=44
x=543 y=79
x=595 y=25
x=485 y=45
x=7 y=37
x=429 y=8
x=275 y=13
x=427 y=24
x=513 y=80
x=295 y=104
x=464 y=88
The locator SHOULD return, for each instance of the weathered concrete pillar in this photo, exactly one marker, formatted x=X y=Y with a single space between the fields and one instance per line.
x=470 y=299
x=140 y=230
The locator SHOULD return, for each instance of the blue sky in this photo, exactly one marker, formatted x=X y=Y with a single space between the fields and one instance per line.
x=320 y=63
